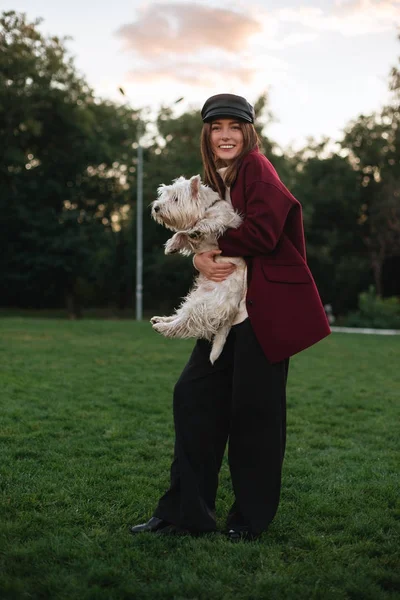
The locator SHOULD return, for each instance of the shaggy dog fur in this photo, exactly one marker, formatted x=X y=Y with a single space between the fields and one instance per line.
x=199 y=216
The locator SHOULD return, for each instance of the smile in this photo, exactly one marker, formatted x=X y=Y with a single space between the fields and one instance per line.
x=227 y=147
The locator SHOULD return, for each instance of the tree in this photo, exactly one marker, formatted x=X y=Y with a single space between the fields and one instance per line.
x=329 y=191
x=373 y=142
x=65 y=167
x=174 y=150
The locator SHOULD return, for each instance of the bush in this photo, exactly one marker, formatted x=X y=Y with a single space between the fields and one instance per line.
x=374 y=311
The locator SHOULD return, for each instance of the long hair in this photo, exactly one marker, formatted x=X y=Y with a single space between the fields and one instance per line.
x=251 y=141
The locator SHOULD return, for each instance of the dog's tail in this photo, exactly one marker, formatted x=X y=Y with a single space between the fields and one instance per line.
x=219 y=341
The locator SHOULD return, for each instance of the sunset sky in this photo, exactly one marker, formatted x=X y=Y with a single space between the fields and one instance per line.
x=323 y=62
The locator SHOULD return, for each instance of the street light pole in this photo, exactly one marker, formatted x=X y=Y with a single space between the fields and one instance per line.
x=139 y=228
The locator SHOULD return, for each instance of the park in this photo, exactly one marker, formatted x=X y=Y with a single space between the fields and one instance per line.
x=87 y=432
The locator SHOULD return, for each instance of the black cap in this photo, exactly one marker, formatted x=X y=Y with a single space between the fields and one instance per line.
x=227 y=105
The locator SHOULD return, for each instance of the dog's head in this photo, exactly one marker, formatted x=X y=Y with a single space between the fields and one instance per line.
x=180 y=205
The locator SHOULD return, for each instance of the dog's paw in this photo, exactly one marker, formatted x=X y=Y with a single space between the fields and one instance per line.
x=195 y=234
x=160 y=320
x=176 y=243
x=161 y=327
x=170 y=247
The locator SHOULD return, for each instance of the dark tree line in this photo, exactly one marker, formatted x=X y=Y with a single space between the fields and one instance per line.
x=68 y=189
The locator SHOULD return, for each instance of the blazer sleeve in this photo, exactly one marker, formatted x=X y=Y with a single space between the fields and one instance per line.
x=267 y=208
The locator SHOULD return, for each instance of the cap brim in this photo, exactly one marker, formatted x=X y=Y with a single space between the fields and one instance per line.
x=229 y=113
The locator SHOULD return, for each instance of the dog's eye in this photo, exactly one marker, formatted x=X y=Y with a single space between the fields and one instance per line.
x=175 y=198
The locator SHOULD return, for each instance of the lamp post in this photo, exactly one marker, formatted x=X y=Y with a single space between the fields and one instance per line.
x=139 y=218
x=139 y=227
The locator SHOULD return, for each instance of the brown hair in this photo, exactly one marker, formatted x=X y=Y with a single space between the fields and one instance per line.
x=251 y=141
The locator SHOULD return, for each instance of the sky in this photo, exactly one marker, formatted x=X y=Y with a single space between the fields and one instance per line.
x=322 y=62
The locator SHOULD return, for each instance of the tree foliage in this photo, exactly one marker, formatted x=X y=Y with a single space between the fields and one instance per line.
x=328 y=189
x=373 y=143
x=68 y=188
x=65 y=167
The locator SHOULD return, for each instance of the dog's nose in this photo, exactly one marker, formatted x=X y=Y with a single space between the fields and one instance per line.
x=156 y=209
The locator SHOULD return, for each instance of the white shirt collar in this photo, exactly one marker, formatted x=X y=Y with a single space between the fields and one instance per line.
x=222 y=171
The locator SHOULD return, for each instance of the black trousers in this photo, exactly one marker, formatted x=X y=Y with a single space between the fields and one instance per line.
x=241 y=398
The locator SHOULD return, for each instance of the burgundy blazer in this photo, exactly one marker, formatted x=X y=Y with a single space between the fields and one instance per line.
x=283 y=303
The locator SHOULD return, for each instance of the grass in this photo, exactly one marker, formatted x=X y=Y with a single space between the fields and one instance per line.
x=86 y=443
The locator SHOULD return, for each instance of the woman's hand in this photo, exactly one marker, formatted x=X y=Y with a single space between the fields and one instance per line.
x=214 y=271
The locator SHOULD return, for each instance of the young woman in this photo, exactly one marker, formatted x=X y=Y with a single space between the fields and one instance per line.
x=242 y=397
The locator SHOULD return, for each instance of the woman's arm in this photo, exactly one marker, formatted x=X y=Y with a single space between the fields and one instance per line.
x=267 y=208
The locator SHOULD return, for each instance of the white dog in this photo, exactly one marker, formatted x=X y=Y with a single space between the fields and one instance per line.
x=200 y=216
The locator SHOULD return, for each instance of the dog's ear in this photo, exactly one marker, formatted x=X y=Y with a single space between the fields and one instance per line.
x=160 y=189
x=195 y=182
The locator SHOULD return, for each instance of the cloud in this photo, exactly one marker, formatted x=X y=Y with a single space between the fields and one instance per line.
x=292 y=39
x=193 y=44
x=191 y=74
x=353 y=17
x=374 y=15
x=187 y=28
x=201 y=45
x=211 y=69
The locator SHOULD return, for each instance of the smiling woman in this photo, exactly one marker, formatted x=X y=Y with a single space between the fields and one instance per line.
x=242 y=395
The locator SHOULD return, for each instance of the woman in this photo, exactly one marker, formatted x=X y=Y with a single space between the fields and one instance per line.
x=242 y=397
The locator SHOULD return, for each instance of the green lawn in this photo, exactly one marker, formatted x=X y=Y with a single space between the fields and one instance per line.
x=86 y=442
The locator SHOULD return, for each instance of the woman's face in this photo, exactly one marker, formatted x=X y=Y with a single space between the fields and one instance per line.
x=226 y=139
